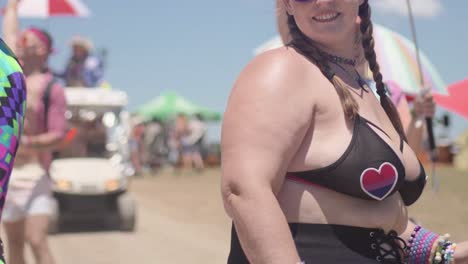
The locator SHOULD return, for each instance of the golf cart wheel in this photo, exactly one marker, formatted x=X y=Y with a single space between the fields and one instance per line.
x=127 y=212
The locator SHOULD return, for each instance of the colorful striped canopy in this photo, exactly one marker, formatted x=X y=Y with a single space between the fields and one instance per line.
x=397 y=59
x=49 y=8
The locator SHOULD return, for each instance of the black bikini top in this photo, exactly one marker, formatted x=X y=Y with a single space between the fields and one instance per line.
x=368 y=169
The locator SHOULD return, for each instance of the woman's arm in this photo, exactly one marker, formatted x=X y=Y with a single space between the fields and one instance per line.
x=11 y=24
x=414 y=131
x=423 y=106
x=267 y=116
x=461 y=253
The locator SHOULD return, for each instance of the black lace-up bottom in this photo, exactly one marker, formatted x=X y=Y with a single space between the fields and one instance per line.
x=333 y=244
x=389 y=247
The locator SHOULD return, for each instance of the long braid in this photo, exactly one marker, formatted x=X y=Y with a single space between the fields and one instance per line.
x=306 y=47
x=369 y=52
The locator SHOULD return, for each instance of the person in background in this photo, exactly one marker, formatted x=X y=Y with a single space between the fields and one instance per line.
x=136 y=144
x=173 y=154
x=154 y=144
x=29 y=201
x=192 y=143
x=83 y=68
x=179 y=147
x=95 y=134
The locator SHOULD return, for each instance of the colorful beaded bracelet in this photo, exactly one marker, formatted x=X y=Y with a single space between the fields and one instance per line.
x=445 y=250
x=426 y=247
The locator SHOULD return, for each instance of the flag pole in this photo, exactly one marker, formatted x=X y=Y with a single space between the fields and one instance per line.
x=430 y=132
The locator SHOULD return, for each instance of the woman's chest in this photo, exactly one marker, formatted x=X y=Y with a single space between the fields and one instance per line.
x=34 y=117
x=332 y=138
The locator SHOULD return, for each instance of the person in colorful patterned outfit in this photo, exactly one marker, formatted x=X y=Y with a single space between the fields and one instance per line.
x=29 y=201
x=12 y=104
x=316 y=168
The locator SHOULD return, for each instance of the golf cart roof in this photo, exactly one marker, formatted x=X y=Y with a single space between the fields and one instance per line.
x=95 y=97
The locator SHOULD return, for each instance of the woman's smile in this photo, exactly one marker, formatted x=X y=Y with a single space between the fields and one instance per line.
x=326 y=17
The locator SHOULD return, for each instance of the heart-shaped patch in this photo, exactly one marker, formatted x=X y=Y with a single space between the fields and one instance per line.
x=378 y=184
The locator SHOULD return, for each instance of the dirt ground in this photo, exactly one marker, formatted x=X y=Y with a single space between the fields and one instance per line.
x=180 y=220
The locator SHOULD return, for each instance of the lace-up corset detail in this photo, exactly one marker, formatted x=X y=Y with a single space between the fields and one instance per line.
x=388 y=248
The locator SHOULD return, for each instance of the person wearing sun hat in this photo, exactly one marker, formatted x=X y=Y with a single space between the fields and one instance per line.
x=29 y=202
x=83 y=69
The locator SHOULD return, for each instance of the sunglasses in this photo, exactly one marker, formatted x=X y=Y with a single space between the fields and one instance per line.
x=25 y=43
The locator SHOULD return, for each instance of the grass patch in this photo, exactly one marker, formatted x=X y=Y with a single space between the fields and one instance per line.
x=445 y=211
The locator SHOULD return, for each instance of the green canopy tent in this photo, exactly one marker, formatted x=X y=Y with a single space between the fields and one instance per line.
x=169 y=104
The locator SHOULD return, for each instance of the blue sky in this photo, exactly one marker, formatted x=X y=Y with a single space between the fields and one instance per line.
x=199 y=47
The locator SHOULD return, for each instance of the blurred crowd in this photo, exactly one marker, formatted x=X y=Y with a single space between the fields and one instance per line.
x=179 y=142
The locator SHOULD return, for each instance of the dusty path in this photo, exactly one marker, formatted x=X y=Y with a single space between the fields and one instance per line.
x=181 y=220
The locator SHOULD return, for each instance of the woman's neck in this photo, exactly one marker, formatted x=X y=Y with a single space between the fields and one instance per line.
x=342 y=52
x=344 y=47
x=33 y=68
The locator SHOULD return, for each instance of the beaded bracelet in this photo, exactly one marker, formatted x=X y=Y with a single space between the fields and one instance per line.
x=429 y=246
x=449 y=252
x=426 y=247
x=439 y=249
x=433 y=250
x=419 y=245
x=411 y=245
x=445 y=250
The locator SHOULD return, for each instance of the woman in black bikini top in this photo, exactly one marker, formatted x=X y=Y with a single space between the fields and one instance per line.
x=315 y=168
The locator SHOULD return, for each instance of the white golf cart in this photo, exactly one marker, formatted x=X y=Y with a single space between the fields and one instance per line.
x=91 y=170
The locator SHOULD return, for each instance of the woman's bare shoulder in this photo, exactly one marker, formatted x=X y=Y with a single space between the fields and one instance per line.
x=267 y=116
x=278 y=72
x=283 y=63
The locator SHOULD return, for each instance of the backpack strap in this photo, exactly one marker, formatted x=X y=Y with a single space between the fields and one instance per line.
x=46 y=99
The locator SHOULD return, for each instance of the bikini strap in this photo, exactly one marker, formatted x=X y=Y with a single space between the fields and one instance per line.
x=374 y=125
x=402 y=144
